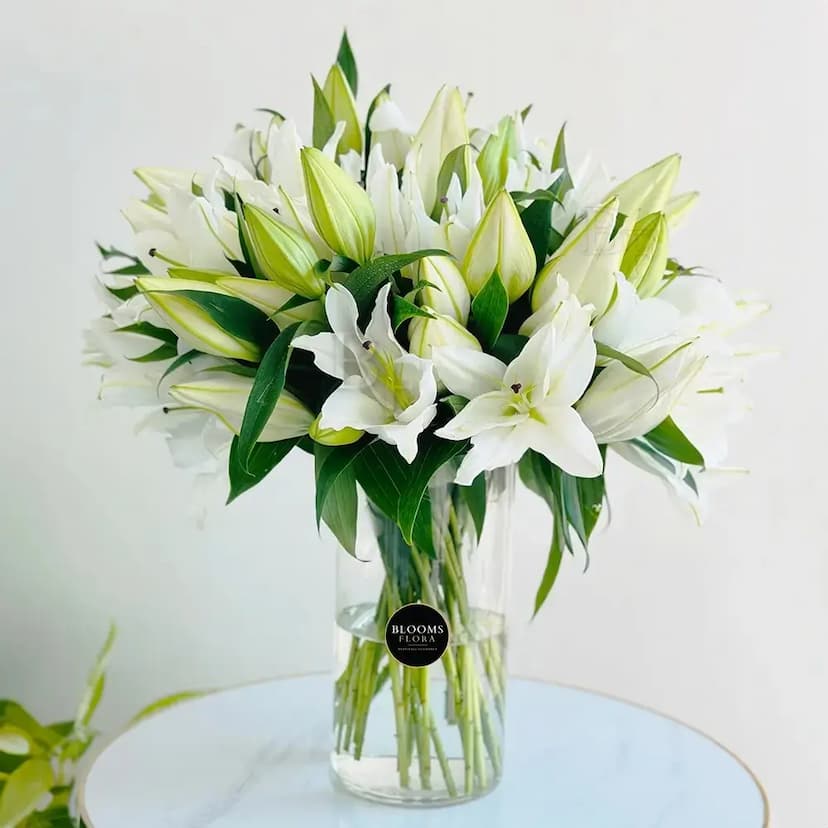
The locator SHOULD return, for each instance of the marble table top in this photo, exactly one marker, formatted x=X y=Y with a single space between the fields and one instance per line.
x=257 y=757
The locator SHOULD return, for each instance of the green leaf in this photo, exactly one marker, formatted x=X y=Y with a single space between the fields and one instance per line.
x=234 y=315
x=323 y=119
x=550 y=572
x=669 y=439
x=383 y=474
x=11 y=713
x=329 y=463
x=453 y=164
x=402 y=309
x=537 y=221
x=161 y=353
x=432 y=455
x=114 y=253
x=509 y=346
x=347 y=62
x=626 y=360
x=267 y=387
x=474 y=497
x=23 y=791
x=455 y=402
x=262 y=460
x=150 y=330
x=52 y=817
x=365 y=281
x=129 y=270
x=165 y=702
x=95 y=684
x=489 y=309
x=123 y=293
x=564 y=184
x=339 y=512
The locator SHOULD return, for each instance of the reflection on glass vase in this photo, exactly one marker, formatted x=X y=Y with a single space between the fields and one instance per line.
x=425 y=735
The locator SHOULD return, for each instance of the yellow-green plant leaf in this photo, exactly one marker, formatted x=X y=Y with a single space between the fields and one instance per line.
x=95 y=683
x=14 y=741
x=168 y=701
x=24 y=791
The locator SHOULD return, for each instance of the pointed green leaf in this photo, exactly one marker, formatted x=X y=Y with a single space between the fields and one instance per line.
x=262 y=460
x=669 y=439
x=366 y=280
x=329 y=463
x=323 y=119
x=234 y=315
x=626 y=360
x=95 y=683
x=339 y=512
x=489 y=309
x=23 y=791
x=474 y=497
x=550 y=573
x=150 y=330
x=347 y=62
x=559 y=162
x=432 y=455
x=165 y=702
x=402 y=309
x=267 y=387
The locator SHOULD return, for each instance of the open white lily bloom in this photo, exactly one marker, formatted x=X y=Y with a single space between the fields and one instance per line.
x=633 y=325
x=622 y=404
x=527 y=404
x=385 y=390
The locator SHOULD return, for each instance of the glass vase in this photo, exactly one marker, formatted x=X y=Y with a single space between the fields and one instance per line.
x=432 y=734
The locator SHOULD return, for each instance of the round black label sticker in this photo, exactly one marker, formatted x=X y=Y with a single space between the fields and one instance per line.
x=417 y=635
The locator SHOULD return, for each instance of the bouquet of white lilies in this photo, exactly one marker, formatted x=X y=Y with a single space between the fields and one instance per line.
x=400 y=302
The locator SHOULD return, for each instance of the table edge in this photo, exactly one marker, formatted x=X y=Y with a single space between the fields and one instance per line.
x=80 y=788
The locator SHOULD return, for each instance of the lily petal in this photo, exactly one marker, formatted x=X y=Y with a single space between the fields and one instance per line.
x=564 y=439
x=492 y=449
x=466 y=372
x=490 y=410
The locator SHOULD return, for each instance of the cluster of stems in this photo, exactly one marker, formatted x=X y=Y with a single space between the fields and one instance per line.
x=474 y=673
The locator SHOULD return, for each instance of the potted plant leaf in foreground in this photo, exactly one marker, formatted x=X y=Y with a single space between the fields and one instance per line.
x=429 y=313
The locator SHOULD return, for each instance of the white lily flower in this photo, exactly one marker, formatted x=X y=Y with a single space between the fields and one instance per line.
x=225 y=395
x=622 y=404
x=384 y=190
x=527 y=404
x=633 y=325
x=385 y=390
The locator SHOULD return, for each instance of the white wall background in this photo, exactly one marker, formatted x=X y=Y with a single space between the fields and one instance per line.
x=723 y=626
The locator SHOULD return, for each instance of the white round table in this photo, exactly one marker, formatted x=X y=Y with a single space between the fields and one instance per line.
x=257 y=757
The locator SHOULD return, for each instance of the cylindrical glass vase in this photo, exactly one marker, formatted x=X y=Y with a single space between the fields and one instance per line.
x=425 y=735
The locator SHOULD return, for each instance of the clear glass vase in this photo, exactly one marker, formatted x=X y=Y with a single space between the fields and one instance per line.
x=425 y=735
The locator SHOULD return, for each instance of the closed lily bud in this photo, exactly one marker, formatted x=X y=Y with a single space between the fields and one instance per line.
x=678 y=207
x=500 y=244
x=284 y=255
x=390 y=130
x=446 y=290
x=225 y=395
x=587 y=259
x=333 y=436
x=649 y=190
x=493 y=161
x=424 y=334
x=341 y=210
x=341 y=101
x=645 y=259
x=271 y=298
x=443 y=129
x=190 y=321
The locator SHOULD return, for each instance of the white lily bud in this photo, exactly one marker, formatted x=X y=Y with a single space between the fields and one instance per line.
x=587 y=259
x=678 y=207
x=341 y=210
x=645 y=258
x=225 y=395
x=424 y=334
x=443 y=129
x=390 y=130
x=333 y=436
x=500 y=244
x=269 y=297
x=285 y=256
x=621 y=404
x=190 y=321
x=648 y=191
x=340 y=99
x=446 y=291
